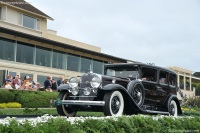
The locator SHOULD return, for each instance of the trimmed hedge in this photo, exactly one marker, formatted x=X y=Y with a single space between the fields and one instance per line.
x=28 y=99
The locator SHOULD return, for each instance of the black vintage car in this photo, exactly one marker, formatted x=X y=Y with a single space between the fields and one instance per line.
x=128 y=88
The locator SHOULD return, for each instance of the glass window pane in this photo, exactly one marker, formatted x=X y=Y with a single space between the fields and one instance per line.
x=25 y=53
x=73 y=63
x=0 y=12
x=41 y=79
x=29 y=22
x=43 y=57
x=59 y=60
x=23 y=75
x=13 y=74
x=97 y=67
x=7 y=49
x=38 y=24
x=86 y=65
x=2 y=77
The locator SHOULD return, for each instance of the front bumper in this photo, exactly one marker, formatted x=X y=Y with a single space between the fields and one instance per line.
x=81 y=102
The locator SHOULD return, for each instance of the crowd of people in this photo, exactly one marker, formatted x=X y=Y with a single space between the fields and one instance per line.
x=28 y=84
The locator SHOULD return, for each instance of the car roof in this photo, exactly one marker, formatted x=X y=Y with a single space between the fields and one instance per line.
x=139 y=64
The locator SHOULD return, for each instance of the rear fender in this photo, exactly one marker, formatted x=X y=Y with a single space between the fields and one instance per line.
x=174 y=97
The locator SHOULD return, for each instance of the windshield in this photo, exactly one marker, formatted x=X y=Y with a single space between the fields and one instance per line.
x=125 y=72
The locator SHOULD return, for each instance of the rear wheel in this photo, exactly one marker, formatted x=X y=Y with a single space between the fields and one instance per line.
x=114 y=103
x=173 y=110
x=62 y=109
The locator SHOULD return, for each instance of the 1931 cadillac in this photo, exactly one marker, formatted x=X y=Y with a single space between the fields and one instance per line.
x=127 y=88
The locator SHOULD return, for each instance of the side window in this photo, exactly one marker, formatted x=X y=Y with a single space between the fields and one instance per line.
x=149 y=74
x=172 y=79
x=163 y=77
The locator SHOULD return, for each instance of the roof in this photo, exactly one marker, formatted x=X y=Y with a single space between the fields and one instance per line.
x=25 y=6
x=55 y=43
x=137 y=63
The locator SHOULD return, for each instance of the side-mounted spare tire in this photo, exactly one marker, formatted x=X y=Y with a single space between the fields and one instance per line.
x=136 y=90
x=114 y=103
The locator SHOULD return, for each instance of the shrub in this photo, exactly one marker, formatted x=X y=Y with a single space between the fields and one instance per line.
x=10 y=105
x=192 y=102
x=28 y=99
x=6 y=96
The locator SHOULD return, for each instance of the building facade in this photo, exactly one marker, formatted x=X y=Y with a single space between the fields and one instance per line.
x=185 y=79
x=27 y=47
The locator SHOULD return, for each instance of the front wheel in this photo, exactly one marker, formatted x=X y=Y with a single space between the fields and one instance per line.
x=114 y=103
x=173 y=110
x=62 y=109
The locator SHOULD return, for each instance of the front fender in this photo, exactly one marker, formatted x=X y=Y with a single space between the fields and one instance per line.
x=110 y=87
x=63 y=87
x=131 y=106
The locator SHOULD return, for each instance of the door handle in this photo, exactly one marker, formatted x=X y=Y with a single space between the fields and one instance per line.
x=158 y=87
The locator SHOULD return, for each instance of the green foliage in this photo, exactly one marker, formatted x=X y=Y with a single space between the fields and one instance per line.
x=197 y=74
x=10 y=105
x=28 y=99
x=192 y=102
x=197 y=86
x=6 y=96
x=132 y=124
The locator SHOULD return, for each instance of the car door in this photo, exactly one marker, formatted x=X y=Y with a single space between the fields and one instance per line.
x=163 y=88
x=149 y=81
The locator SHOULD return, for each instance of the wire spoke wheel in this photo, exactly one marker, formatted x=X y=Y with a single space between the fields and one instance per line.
x=63 y=110
x=173 y=108
x=137 y=94
x=114 y=103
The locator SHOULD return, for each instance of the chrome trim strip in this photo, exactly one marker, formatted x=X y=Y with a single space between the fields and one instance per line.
x=82 y=96
x=159 y=112
x=80 y=102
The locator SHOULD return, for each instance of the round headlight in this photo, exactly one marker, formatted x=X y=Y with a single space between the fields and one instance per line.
x=87 y=91
x=74 y=91
x=95 y=82
x=73 y=82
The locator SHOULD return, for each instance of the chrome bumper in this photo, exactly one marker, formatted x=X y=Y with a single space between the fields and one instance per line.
x=76 y=102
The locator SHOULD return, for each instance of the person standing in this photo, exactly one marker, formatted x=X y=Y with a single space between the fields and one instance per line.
x=48 y=84
x=60 y=81
x=54 y=85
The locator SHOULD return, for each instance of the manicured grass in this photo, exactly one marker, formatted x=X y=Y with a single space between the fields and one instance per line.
x=52 y=111
x=40 y=111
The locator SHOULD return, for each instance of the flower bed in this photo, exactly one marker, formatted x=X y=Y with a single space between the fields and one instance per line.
x=123 y=124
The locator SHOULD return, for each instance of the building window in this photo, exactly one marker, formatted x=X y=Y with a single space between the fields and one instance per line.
x=13 y=74
x=41 y=79
x=23 y=75
x=0 y=13
x=25 y=53
x=86 y=65
x=59 y=60
x=98 y=67
x=73 y=63
x=31 y=22
x=43 y=56
x=7 y=49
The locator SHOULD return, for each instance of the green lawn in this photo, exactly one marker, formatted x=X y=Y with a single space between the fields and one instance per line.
x=51 y=111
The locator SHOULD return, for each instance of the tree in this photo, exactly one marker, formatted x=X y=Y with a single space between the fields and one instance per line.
x=197 y=74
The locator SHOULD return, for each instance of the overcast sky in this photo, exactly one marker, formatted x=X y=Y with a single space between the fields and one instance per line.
x=164 y=32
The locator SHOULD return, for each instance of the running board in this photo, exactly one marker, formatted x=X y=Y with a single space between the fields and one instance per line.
x=157 y=112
